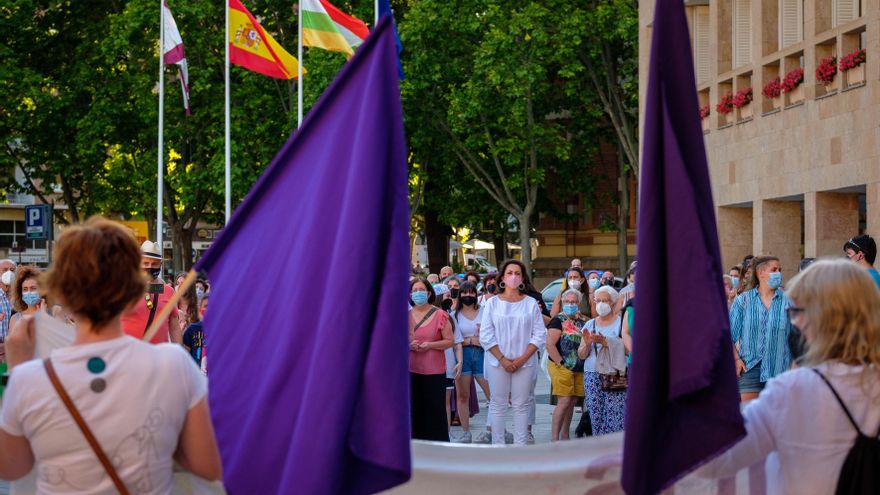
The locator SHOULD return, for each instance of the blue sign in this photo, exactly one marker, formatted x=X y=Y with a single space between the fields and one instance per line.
x=38 y=221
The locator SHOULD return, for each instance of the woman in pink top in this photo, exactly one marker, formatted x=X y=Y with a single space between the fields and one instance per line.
x=430 y=333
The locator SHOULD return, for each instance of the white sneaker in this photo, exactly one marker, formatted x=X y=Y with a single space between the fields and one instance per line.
x=508 y=437
x=483 y=437
x=530 y=439
x=465 y=437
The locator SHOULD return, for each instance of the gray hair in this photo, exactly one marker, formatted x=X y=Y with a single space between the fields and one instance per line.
x=569 y=292
x=7 y=260
x=606 y=289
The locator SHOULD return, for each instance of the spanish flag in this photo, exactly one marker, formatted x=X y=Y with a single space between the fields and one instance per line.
x=251 y=47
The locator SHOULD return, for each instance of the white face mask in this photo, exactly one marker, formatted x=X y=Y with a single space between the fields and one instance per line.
x=7 y=278
x=574 y=284
x=603 y=308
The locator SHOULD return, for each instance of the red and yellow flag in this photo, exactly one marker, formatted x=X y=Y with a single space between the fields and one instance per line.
x=251 y=47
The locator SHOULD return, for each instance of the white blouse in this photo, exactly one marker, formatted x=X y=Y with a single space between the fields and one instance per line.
x=798 y=419
x=512 y=327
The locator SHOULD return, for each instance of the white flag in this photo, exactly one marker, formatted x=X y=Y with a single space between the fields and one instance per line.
x=173 y=52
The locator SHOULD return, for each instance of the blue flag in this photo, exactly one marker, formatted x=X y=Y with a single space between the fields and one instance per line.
x=385 y=9
x=682 y=401
x=306 y=338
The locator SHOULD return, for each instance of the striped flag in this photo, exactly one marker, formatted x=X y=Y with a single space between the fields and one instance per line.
x=251 y=47
x=325 y=26
x=172 y=52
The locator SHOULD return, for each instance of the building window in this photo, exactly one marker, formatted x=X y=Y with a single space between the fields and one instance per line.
x=701 y=43
x=843 y=11
x=742 y=32
x=791 y=22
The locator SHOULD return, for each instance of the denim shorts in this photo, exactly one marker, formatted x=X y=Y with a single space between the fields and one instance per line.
x=750 y=381
x=472 y=361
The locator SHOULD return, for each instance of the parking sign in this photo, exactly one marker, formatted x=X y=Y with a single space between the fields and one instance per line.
x=38 y=221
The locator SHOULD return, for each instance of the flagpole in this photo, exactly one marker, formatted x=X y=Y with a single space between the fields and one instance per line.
x=299 y=68
x=375 y=13
x=228 y=175
x=161 y=152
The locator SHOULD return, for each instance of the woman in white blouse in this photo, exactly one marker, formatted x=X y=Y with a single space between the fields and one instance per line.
x=836 y=305
x=511 y=331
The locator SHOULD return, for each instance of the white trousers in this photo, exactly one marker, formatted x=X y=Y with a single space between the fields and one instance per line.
x=518 y=386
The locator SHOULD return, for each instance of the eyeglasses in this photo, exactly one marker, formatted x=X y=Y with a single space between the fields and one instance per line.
x=792 y=313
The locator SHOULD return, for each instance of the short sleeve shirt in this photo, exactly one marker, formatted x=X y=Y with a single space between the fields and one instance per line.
x=134 y=322
x=568 y=343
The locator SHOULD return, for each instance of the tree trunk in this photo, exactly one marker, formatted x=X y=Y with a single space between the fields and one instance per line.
x=623 y=215
x=186 y=236
x=500 y=242
x=437 y=241
x=177 y=247
x=525 y=228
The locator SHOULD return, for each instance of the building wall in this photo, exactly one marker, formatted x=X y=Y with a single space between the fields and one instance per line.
x=790 y=178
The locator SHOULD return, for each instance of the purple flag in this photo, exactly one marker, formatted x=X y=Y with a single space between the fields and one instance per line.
x=307 y=343
x=682 y=402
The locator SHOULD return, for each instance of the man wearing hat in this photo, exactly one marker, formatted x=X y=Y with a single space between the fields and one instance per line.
x=863 y=250
x=140 y=317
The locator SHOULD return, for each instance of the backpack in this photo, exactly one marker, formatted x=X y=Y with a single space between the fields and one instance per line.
x=860 y=473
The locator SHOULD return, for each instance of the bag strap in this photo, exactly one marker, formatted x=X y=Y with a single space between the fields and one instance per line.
x=84 y=428
x=425 y=318
x=839 y=401
x=152 y=312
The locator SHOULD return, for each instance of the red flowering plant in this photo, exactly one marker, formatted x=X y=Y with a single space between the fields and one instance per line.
x=826 y=70
x=742 y=98
x=725 y=104
x=792 y=79
x=853 y=60
x=704 y=112
x=773 y=88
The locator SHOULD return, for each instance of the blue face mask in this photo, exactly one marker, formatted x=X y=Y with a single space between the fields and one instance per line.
x=734 y=281
x=775 y=280
x=594 y=283
x=30 y=298
x=200 y=292
x=419 y=297
x=570 y=309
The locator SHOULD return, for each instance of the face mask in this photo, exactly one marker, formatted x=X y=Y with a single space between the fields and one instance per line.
x=490 y=288
x=446 y=305
x=453 y=293
x=30 y=298
x=200 y=292
x=607 y=281
x=153 y=272
x=574 y=284
x=775 y=280
x=603 y=308
x=468 y=300
x=734 y=281
x=570 y=309
x=594 y=283
x=513 y=281
x=7 y=278
x=419 y=297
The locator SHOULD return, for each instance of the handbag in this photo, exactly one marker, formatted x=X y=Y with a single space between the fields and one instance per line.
x=610 y=378
x=613 y=383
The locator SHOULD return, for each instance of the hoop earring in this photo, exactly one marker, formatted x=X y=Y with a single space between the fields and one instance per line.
x=501 y=285
x=522 y=286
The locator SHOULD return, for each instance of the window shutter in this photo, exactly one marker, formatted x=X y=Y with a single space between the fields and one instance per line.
x=701 y=43
x=742 y=32
x=845 y=11
x=792 y=22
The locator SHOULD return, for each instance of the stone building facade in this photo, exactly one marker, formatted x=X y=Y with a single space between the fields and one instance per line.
x=798 y=174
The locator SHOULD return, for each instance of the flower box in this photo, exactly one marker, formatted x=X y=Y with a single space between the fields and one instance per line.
x=791 y=86
x=773 y=92
x=745 y=112
x=826 y=72
x=853 y=67
x=856 y=75
x=705 y=123
x=796 y=95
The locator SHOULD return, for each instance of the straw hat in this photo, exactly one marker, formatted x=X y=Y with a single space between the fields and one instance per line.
x=150 y=249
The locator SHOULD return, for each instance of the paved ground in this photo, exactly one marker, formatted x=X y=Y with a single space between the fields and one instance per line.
x=543 y=414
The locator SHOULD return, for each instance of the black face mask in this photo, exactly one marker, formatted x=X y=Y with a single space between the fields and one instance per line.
x=446 y=305
x=490 y=289
x=453 y=293
x=468 y=300
x=153 y=272
x=607 y=281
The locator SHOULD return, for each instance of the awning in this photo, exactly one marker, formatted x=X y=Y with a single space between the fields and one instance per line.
x=478 y=245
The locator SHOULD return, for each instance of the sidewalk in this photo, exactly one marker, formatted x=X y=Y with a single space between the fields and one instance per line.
x=543 y=414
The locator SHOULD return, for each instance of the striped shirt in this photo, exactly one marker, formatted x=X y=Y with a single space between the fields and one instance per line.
x=761 y=334
x=6 y=311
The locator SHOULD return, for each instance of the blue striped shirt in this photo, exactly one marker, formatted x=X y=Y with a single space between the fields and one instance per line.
x=761 y=334
x=6 y=309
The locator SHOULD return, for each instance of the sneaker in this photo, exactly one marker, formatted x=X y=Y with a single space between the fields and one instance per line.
x=465 y=437
x=530 y=439
x=508 y=437
x=483 y=437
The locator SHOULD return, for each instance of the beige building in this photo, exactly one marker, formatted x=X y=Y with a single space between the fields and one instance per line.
x=798 y=174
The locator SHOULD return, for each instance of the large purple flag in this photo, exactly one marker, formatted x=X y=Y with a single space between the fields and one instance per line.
x=682 y=402
x=306 y=332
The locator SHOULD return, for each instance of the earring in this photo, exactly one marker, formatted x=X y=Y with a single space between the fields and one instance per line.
x=522 y=286
x=501 y=284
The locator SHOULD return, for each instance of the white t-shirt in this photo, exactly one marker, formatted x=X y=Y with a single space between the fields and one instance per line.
x=466 y=326
x=450 y=353
x=797 y=418
x=137 y=417
x=512 y=327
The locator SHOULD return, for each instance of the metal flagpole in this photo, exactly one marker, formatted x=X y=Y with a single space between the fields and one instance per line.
x=299 y=68
x=161 y=165
x=226 y=129
x=375 y=13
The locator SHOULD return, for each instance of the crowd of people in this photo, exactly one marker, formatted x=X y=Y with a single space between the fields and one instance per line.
x=108 y=413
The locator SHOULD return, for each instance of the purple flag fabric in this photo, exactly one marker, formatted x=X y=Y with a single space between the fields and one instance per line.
x=306 y=332
x=683 y=401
